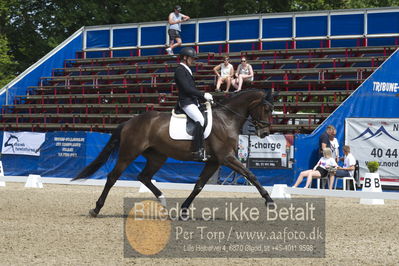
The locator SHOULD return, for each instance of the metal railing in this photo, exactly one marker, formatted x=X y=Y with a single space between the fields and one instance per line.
x=261 y=18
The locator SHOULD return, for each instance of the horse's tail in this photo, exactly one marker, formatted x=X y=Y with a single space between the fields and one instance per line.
x=102 y=158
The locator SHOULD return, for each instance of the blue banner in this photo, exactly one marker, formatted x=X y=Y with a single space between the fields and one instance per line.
x=65 y=154
x=62 y=154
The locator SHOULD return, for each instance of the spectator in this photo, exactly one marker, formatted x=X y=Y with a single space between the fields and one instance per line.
x=175 y=19
x=334 y=145
x=321 y=169
x=349 y=164
x=324 y=140
x=244 y=73
x=226 y=73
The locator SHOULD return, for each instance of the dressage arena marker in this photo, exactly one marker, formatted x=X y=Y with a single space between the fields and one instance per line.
x=218 y=188
x=279 y=192
x=2 y=183
x=372 y=183
x=34 y=181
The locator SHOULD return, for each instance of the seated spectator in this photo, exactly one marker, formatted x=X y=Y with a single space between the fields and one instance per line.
x=334 y=145
x=226 y=73
x=243 y=74
x=321 y=169
x=349 y=164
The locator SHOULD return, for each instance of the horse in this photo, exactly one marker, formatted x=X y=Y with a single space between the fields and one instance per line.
x=148 y=134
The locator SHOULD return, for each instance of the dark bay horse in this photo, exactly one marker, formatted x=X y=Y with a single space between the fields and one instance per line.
x=148 y=134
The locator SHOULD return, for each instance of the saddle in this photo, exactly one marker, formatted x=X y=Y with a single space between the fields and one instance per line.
x=181 y=127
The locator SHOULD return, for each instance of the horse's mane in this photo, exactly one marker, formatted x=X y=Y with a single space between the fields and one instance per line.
x=235 y=96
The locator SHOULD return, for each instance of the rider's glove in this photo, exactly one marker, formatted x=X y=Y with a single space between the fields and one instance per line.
x=208 y=97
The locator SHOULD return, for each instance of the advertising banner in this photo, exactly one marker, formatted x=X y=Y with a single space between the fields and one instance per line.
x=375 y=139
x=273 y=151
x=63 y=153
x=23 y=143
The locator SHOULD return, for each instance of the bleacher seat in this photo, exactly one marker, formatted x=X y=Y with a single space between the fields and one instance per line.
x=99 y=93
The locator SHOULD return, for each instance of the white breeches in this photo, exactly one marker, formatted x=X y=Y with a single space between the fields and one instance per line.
x=194 y=113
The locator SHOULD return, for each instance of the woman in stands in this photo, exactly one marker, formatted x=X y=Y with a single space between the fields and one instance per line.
x=321 y=169
x=226 y=73
x=243 y=74
x=188 y=99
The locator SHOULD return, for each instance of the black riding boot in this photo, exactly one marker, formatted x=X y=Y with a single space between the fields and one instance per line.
x=198 y=143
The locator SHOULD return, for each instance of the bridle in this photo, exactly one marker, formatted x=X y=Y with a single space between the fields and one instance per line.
x=257 y=123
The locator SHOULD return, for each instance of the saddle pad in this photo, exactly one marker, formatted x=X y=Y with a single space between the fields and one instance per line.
x=178 y=123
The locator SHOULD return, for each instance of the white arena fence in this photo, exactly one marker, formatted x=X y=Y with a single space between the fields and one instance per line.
x=216 y=188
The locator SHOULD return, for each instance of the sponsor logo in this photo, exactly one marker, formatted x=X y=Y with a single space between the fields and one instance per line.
x=368 y=134
x=11 y=141
x=22 y=143
x=385 y=86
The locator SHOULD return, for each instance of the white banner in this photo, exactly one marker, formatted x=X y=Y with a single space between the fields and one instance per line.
x=375 y=139
x=24 y=143
x=269 y=152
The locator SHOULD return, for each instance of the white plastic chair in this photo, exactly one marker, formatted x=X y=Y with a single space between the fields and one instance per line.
x=323 y=178
x=346 y=178
x=327 y=177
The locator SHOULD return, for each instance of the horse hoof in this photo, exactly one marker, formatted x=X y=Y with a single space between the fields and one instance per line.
x=162 y=200
x=271 y=205
x=184 y=214
x=93 y=213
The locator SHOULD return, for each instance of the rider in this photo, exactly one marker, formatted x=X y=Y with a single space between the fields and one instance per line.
x=188 y=99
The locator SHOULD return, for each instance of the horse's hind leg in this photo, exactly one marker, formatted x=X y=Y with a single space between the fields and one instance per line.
x=209 y=169
x=112 y=177
x=232 y=162
x=154 y=163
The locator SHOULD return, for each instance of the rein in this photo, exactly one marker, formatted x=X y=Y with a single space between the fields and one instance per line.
x=251 y=120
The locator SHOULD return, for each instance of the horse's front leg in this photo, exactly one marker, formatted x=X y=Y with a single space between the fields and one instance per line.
x=232 y=162
x=209 y=169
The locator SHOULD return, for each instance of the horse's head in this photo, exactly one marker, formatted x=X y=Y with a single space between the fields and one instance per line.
x=260 y=112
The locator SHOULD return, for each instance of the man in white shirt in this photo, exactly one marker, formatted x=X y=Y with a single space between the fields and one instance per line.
x=349 y=164
x=175 y=19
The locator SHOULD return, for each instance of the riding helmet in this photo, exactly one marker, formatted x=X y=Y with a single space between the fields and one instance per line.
x=188 y=51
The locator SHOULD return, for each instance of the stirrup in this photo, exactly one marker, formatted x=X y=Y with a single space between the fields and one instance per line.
x=200 y=155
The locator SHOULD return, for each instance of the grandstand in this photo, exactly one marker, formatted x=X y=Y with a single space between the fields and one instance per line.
x=96 y=94
x=121 y=70
x=104 y=75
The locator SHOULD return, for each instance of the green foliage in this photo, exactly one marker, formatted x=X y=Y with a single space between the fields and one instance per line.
x=7 y=65
x=373 y=166
x=31 y=28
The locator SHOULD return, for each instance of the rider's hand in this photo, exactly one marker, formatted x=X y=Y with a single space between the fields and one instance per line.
x=208 y=97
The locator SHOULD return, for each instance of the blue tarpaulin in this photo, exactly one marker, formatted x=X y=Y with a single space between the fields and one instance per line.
x=375 y=98
x=65 y=154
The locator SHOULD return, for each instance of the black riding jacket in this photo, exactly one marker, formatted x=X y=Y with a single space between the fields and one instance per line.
x=188 y=93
